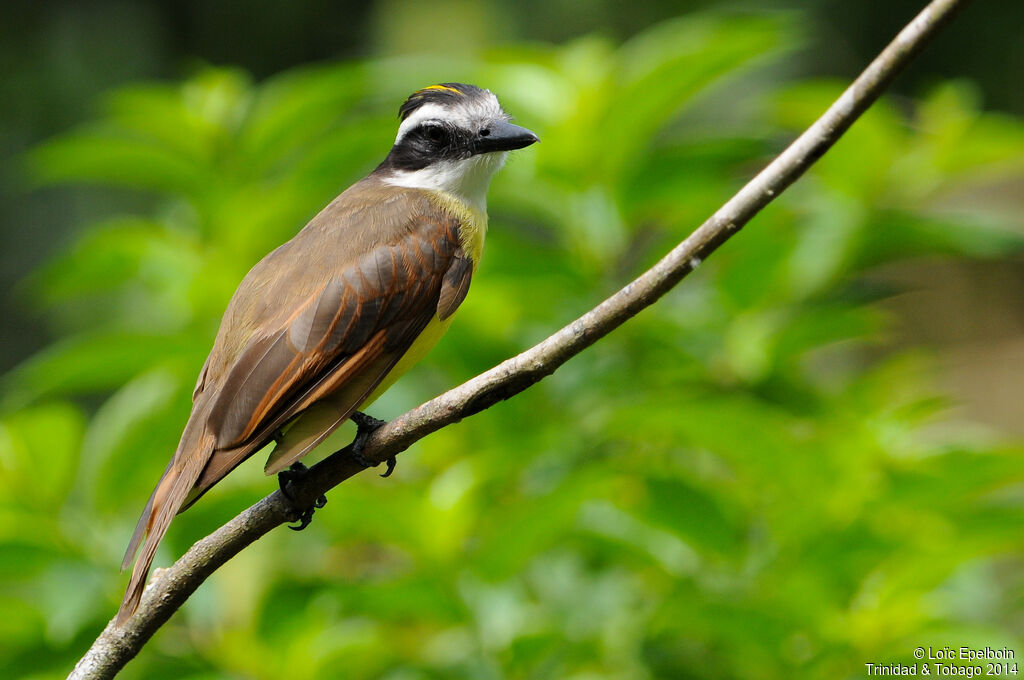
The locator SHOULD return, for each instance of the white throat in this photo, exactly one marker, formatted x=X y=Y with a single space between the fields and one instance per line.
x=466 y=180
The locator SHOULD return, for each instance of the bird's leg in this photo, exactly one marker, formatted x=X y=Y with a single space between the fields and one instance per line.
x=365 y=426
x=293 y=474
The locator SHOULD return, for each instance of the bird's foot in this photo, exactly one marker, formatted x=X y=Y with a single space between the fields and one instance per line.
x=365 y=426
x=293 y=474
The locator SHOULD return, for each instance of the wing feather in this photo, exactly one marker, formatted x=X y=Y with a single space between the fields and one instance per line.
x=225 y=460
x=319 y=322
x=352 y=327
x=455 y=285
x=314 y=322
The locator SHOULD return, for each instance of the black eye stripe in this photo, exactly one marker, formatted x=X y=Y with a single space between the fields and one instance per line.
x=435 y=133
x=442 y=140
x=430 y=142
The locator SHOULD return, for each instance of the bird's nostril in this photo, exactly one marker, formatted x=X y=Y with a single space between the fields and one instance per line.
x=485 y=133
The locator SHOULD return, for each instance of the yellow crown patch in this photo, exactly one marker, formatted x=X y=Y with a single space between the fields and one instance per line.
x=442 y=87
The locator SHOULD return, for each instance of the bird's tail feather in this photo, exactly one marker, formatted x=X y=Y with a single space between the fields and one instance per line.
x=143 y=524
x=167 y=497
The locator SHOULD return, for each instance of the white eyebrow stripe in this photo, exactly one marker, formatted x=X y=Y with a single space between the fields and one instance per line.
x=465 y=114
x=424 y=113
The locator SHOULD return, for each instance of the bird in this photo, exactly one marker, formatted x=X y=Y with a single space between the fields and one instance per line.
x=326 y=322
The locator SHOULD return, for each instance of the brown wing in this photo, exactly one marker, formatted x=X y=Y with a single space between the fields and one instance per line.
x=336 y=306
x=352 y=329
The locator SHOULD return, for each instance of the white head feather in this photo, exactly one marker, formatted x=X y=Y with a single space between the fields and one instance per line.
x=469 y=178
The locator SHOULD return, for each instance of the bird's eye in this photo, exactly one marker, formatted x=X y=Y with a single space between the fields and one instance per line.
x=486 y=132
x=434 y=133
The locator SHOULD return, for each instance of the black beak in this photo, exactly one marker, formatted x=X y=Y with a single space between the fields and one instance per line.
x=502 y=136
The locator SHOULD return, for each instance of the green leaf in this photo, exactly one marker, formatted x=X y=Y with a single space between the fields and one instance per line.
x=94 y=362
x=39 y=451
x=110 y=156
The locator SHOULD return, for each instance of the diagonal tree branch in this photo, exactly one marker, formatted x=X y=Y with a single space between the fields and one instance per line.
x=172 y=586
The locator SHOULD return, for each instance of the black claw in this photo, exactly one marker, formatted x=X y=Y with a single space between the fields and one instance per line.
x=294 y=473
x=365 y=426
x=357 y=454
x=304 y=519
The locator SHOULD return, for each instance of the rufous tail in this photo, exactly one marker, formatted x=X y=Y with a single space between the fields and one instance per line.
x=170 y=492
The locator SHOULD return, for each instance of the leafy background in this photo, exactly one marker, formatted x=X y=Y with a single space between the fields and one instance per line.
x=805 y=458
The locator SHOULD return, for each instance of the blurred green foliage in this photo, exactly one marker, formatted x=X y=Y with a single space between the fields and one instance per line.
x=749 y=480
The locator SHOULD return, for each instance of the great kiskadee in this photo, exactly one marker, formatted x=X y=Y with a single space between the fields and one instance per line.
x=329 y=320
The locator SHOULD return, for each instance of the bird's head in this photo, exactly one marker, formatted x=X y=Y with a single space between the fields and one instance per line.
x=453 y=137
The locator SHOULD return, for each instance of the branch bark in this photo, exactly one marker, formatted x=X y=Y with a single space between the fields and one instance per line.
x=172 y=586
